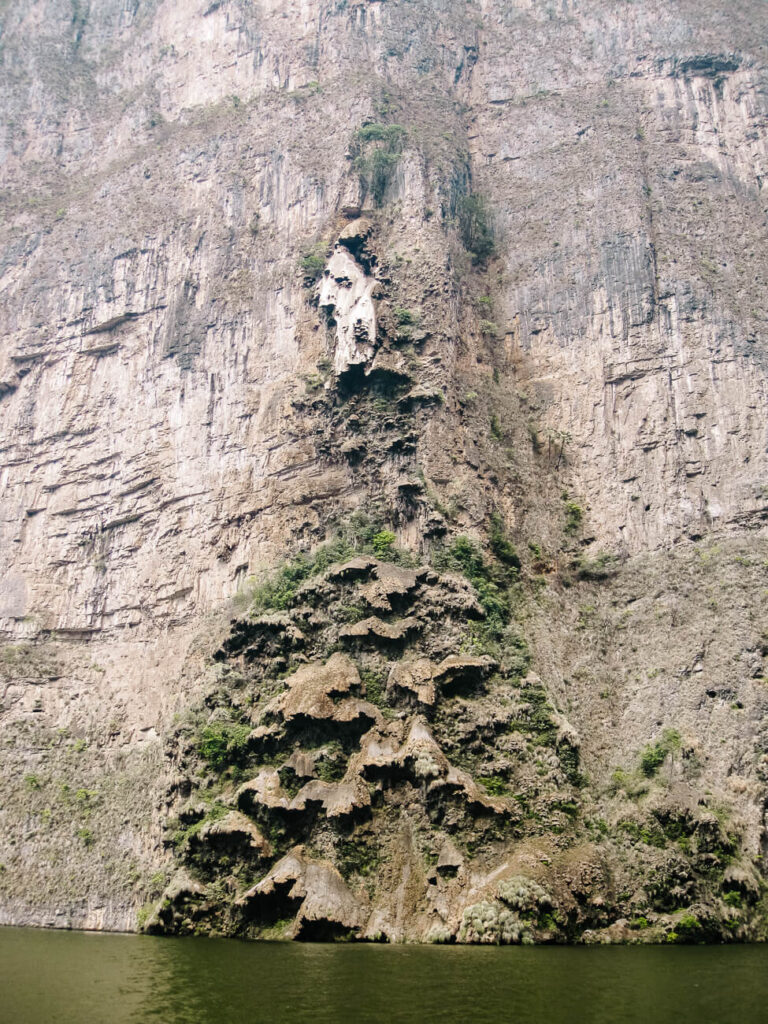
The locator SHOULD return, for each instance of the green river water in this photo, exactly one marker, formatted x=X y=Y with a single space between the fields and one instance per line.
x=76 y=978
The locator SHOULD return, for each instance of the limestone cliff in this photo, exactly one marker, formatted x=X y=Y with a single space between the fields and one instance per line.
x=384 y=484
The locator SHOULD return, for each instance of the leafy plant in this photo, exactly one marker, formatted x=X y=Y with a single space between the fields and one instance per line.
x=86 y=835
x=357 y=857
x=223 y=743
x=382 y=542
x=465 y=556
x=332 y=765
x=374 y=687
x=655 y=754
x=312 y=261
x=405 y=317
x=501 y=546
x=358 y=535
x=475 y=228
x=574 y=515
x=378 y=148
x=493 y=784
x=600 y=568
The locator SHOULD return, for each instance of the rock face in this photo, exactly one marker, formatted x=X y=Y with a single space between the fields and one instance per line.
x=472 y=295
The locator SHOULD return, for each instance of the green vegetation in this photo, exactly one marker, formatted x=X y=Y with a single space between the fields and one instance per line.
x=382 y=542
x=570 y=763
x=359 y=535
x=312 y=261
x=406 y=317
x=493 y=784
x=600 y=568
x=574 y=515
x=86 y=835
x=649 y=834
x=496 y=431
x=32 y=782
x=475 y=228
x=489 y=328
x=221 y=744
x=490 y=582
x=655 y=754
x=357 y=857
x=501 y=546
x=333 y=763
x=535 y=717
x=377 y=150
x=687 y=929
x=351 y=612
x=187 y=830
x=375 y=691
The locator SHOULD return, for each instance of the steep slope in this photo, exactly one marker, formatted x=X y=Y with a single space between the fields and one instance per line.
x=278 y=276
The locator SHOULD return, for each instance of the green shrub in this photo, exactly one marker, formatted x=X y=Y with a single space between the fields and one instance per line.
x=652 y=758
x=223 y=743
x=496 y=432
x=688 y=928
x=493 y=784
x=351 y=612
x=525 y=897
x=143 y=916
x=475 y=228
x=570 y=761
x=382 y=542
x=377 y=149
x=390 y=134
x=312 y=261
x=655 y=754
x=32 y=782
x=651 y=834
x=357 y=857
x=358 y=535
x=86 y=835
x=600 y=568
x=501 y=546
x=405 y=317
x=278 y=593
x=574 y=516
x=332 y=765
x=465 y=557
x=375 y=691
x=489 y=923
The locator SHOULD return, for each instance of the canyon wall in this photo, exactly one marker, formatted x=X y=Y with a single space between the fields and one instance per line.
x=466 y=269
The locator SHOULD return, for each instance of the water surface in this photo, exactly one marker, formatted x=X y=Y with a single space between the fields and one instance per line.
x=80 y=978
